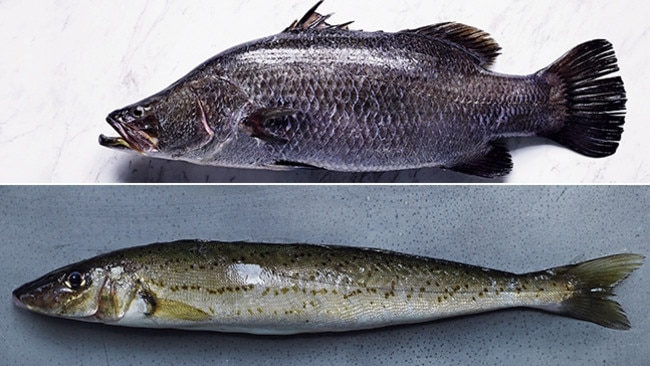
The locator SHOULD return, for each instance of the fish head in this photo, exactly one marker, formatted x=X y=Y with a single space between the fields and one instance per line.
x=73 y=291
x=138 y=126
x=173 y=123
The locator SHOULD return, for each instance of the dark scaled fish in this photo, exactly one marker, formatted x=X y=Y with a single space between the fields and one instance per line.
x=320 y=95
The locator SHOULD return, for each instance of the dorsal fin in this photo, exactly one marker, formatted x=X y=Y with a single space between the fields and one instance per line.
x=314 y=20
x=472 y=39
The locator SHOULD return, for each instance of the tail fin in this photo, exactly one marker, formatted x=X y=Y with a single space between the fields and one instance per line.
x=595 y=106
x=593 y=282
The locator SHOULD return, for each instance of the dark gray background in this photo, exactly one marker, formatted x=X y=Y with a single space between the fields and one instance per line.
x=512 y=228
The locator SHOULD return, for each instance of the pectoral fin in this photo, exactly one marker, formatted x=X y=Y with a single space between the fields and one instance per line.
x=256 y=123
x=175 y=310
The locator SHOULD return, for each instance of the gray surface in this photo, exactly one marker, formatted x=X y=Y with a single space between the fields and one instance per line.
x=512 y=228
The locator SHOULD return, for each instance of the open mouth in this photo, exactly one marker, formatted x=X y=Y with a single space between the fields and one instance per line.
x=130 y=138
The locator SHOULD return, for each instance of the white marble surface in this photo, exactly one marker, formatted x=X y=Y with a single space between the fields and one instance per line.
x=510 y=228
x=66 y=64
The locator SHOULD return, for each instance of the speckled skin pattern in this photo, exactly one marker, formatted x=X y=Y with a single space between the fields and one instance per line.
x=285 y=288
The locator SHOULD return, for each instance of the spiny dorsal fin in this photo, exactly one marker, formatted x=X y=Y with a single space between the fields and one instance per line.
x=472 y=39
x=314 y=20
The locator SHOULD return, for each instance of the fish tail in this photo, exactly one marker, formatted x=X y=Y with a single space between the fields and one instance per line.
x=592 y=107
x=592 y=283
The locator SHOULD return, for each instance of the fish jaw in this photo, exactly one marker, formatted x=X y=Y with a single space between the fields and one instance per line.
x=131 y=136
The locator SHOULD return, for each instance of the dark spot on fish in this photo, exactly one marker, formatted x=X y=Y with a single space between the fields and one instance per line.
x=184 y=287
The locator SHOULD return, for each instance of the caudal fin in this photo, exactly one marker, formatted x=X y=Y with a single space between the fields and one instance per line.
x=594 y=106
x=593 y=283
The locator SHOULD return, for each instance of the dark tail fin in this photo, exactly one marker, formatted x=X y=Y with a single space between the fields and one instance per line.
x=595 y=106
x=593 y=283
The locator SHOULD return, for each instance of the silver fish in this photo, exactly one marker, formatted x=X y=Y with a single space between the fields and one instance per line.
x=321 y=95
x=297 y=288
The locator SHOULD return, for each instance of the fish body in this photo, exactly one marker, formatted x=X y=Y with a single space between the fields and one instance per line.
x=320 y=95
x=265 y=288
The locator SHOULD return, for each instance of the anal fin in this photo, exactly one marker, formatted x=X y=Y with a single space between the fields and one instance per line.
x=497 y=162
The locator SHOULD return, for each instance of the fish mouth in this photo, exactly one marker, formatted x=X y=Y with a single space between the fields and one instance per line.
x=130 y=138
x=17 y=301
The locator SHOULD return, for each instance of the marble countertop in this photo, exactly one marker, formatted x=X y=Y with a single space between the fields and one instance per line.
x=513 y=228
x=67 y=64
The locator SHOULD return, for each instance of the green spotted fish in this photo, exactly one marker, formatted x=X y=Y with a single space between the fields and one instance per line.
x=299 y=288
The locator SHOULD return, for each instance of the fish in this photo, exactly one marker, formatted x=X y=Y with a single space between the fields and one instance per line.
x=282 y=289
x=321 y=96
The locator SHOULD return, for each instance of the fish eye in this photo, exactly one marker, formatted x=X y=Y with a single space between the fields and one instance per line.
x=75 y=280
x=138 y=111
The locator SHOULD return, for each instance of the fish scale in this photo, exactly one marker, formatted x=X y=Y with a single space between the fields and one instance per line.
x=266 y=288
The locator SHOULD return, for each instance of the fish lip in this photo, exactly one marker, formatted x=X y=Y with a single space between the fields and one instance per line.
x=130 y=139
x=17 y=301
x=114 y=143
